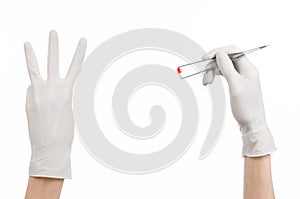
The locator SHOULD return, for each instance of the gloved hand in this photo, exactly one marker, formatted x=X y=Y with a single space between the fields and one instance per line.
x=49 y=112
x=245 y=98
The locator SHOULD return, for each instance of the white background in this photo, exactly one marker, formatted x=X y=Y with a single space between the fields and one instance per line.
x=210 y=23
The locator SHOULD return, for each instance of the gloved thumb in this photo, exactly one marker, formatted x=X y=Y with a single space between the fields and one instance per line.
x=226 y=66
x=209 y=75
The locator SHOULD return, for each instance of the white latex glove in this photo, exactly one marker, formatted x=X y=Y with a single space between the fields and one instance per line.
x=49 y=112
x=245 y=98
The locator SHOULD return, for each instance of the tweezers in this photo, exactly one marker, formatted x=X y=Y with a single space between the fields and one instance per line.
x=232 y=56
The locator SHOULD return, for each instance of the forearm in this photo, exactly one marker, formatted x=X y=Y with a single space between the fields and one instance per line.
x=46 y=188
x=258 y=178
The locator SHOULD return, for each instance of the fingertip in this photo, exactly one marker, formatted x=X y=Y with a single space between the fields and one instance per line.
x=205 y=56
x=225 y=65
x=28 y=50
x=208 y=76
x=27 y=45
x=53 y=33
x=221 y=54
x=234 y=48
x=223 y=58
x=53 y=38
x=223 y=61
x=204 y=81
x=83 y=40
x=82 y=44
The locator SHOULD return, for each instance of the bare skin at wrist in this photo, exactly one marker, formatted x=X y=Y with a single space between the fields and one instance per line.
x=46 y=188
x=258 y=178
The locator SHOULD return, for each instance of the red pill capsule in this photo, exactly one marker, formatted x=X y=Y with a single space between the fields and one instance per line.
x=179 y=70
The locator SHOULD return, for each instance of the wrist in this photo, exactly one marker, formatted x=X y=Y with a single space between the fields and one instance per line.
x=45 y=188
x=50 y=163
x=257 y=140
x=252 y=126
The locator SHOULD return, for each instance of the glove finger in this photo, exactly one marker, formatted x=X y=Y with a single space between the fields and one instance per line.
x=77 y=60
x=241 y=64
x=226 y=49
x=32 y=64
x=53 y=55
x=209 y=75
x=226 y=66
x=244 y=66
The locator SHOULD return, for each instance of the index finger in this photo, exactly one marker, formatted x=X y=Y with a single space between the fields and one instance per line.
x=77 y=60
x=226 y=49
x=242 y=64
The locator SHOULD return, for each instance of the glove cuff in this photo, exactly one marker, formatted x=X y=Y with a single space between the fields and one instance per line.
x=257 y=141
x=51 y=165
